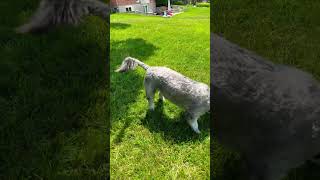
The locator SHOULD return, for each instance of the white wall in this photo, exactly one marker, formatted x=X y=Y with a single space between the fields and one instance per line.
x=137 y=7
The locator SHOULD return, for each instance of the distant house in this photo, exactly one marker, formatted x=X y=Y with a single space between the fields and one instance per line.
x=139 y=6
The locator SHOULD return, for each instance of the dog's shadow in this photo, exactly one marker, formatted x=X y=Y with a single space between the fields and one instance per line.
x=175 y=129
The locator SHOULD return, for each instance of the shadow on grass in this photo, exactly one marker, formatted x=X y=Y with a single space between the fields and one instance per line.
x=309 y=170
x=175 y=129
x=228 y=165
x=234 y=168
x=53 y=107
x=119 y=25
x=125 y=86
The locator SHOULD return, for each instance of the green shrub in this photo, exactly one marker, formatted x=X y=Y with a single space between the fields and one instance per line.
x=161 y=3
x=203 y=4
x=178 y=3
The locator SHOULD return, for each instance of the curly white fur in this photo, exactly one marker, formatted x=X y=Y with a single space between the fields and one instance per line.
x=191 y=95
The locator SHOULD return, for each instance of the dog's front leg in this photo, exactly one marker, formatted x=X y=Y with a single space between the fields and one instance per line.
x=98 y=8
x=151 y=103
x=192 y=120
x=161 y=97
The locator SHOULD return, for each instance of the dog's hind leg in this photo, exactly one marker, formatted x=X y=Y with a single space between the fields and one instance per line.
x=150 y=91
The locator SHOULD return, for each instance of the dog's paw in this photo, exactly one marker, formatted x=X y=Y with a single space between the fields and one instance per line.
x=151 y=108
x=26 y=28
x=162 y=99
x=197 y=131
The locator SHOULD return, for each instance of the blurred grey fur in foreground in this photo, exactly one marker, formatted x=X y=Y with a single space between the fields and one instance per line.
x=268 y=112
x=54 y=12
x=191 y=95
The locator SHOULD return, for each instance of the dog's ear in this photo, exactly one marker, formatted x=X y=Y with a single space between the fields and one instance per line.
x=55 y=12
x=119 y=70
x=39 y=21
x=98 y=8
x=123 y=68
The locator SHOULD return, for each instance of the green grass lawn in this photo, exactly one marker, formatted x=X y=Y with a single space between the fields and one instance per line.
x=158 y=145
x=286 y=32
x=53 y=103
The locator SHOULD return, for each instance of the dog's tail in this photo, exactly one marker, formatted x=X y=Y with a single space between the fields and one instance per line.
x=130 y=63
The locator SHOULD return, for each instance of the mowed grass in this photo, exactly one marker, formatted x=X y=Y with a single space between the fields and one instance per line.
x=284 y=31
x=159 y=144
x=53 y=98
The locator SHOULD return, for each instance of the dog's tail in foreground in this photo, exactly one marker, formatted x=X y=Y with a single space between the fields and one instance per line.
x=130 y=63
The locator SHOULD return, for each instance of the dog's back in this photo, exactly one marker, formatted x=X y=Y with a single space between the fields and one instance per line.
x=268 y=112
x=178 y=88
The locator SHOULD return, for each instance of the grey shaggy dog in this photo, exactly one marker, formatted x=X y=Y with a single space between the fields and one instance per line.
x=190 y=95
x=268 y=112
x=54 y=12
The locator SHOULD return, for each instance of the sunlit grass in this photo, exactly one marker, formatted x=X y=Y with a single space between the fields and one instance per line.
x=158 y=145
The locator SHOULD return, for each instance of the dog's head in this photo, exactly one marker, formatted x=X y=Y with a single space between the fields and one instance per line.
x=127 y=64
